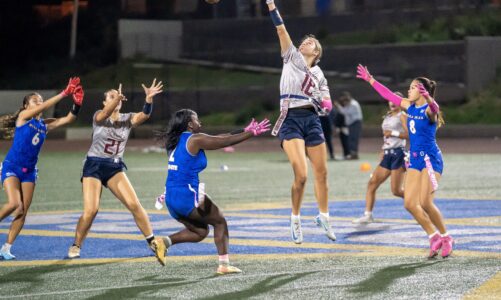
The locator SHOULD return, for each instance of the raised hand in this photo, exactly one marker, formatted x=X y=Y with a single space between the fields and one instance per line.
x=258 y=128
x=270 y=2
x=78 y=95
x=154 y=89
x=363 y=73
x=423 y=91
x=70 y=88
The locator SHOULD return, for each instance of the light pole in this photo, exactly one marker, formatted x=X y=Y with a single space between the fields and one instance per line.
x=73 y=40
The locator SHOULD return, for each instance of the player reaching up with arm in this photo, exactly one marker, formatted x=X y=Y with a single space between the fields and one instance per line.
x=18 y=170
x=304 y=94
x=426 y=163
x=104 y=164
x=185 y=195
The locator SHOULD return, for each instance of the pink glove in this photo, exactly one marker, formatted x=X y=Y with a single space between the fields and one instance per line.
x=326 y=105
x=72 y=85
x=423 y=91
x=78 y=95
x=258 y=128
x=363 y=73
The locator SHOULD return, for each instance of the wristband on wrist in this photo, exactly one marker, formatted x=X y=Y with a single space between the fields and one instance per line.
x=395 y=133
x=276 y=18
x=147 y=108
x=75 y=109
x=238 y=131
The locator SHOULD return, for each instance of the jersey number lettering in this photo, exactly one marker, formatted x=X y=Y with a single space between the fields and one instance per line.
x=171 y=157
x=307 y=85
x=111 y=144
x=412 y=126
x=36 y=139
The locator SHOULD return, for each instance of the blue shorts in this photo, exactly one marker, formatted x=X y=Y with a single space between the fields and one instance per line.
x=9 y=169
x=393 y=159
x=181 y=200
x=417 y=160
x=102 y=168
x=302 y=123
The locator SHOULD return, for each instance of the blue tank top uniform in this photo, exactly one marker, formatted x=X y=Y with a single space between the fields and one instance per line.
x=184 y=192
x=22 y=158
x=423 y=143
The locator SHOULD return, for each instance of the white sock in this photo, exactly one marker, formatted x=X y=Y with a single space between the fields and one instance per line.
x=368 y=213
x=168 y=240
x=445 y=234
x=295 y=218
x=431 y=235
x=325 y=215
x=6 y=247
x=224 y=259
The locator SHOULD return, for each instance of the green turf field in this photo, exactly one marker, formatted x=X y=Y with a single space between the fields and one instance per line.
x=274 y=268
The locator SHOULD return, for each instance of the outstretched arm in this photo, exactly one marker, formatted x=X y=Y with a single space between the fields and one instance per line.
x=108 y=109
x=283 y=35
x=154 y=89
x=210 y=142
x=363 y=73
x=30 y=113
x=78 y=96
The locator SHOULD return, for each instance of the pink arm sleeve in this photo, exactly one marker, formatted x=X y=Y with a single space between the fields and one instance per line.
x=386 y=93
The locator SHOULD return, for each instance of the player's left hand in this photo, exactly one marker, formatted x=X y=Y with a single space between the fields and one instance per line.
x=154 y=89
x=78 y=95
x=70 y=88
x=423 y=91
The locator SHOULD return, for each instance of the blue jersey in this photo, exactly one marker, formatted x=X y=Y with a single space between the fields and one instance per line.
x=421 y=130
x=183 y=166
x=28 y=141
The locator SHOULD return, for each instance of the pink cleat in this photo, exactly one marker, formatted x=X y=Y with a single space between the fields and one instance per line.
x=447 y=243
x=435 y=245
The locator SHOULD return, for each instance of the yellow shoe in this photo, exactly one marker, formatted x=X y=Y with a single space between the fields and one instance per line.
x=224 y=269
x=74 y=252
x=160 y=250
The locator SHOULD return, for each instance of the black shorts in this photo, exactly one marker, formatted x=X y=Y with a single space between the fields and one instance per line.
x=102 y=168
x=304 y=124
x=393 y=159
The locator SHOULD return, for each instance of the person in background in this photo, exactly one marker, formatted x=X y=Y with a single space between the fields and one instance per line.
x=350 y=109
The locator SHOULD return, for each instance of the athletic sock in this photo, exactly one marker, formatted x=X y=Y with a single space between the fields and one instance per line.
x=445 y=234
x=368 y=213
x=431 y=235
x=325 y=215
x=6 y=247
x=150 y=238
x=75 y=245
x=167 y=241
x=295 y=218
x=224 y=260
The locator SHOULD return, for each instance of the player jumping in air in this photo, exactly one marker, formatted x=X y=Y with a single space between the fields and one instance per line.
x=426 y=164
x=304 y=94
x=19 y=171
x=185 y=195
x=104 y=164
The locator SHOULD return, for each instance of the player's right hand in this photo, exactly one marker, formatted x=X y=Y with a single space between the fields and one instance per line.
x=363 y=73
x=70 y=88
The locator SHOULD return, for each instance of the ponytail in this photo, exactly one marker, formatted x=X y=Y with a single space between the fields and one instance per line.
x=176 y=126
x=8 y=122
x=431 y=87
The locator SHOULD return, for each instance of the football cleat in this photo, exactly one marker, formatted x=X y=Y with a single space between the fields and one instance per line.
x=323 y=222
x=296 y=231
x=226 y=269
x=74 y=252
x=160 y=249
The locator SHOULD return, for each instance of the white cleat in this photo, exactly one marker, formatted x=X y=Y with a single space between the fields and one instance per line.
x=323 y=222
x=365 y=219
x=74 y=252
x=6 y=255
x=296 y=231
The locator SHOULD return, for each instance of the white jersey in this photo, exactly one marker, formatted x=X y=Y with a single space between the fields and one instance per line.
x=300 y=85
x=109 y=137
x=393 y=122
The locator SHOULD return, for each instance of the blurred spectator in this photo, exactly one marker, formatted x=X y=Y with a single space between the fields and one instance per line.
x=352 y=113
x=342 y=131
x=327 y=122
